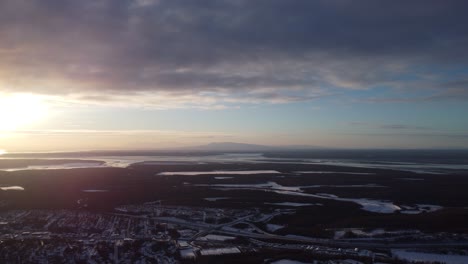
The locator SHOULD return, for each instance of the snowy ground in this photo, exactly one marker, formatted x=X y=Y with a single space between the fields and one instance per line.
x=273 y=228
x=370 y=205
x=419 y=208
x=276 y=186
x=12 y=188
x=215 y=237
x=335 y=172
x=251 y=158
x=219 y=251
x=294 y=204
x=194 y=173
x=368 y=234
x=73 y=165
x=420 y=256
x=187 y=253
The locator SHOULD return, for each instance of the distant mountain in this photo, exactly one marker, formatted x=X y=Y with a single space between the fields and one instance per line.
x=211 y=147
x=230 y=146
x=234 y=146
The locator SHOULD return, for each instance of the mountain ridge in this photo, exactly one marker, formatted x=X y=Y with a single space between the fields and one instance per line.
x=236 y=146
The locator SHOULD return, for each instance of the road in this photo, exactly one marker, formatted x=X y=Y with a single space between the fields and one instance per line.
x=218 y=227
x=316 y=241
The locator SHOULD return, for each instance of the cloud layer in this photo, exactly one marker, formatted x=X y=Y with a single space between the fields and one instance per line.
x=171 y=53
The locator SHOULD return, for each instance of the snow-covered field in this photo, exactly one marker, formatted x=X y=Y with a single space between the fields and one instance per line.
x=294 y=204
x=375 y=206
x=376 y=232
x=370 y=205
x=268 y=185
x=219 y=251
x=420 y=208
x=250 y=158
x=335 y=172
x=12 y=188
x=72 y=165
x=370 y=185
x=215 y=237
x=276 y=186
x=421 y=256
x=194 y=173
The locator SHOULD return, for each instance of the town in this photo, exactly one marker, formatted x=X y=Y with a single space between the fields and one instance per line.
x=155 y=233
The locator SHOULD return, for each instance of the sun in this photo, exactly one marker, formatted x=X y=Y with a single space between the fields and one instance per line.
x=19 y=110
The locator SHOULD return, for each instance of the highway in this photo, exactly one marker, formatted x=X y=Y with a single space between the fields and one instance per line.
x=304 y=240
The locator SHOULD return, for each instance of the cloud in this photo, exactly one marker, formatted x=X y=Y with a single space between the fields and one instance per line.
x=231 y=52
x=119 y=133
x=403 y=127
x=404 y=130
x=430 y=135
x=388 y=126
x=88 y=139
x=445 y=94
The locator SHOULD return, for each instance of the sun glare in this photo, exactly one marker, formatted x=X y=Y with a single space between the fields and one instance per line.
x=20 y=110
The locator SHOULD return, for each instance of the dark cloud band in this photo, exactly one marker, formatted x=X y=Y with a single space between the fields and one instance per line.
x=230 y=47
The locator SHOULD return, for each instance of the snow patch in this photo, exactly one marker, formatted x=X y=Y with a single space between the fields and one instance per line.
x=95 y=191
x=273 y=227
x=294 y=204
x=194 y=173
x=73 y=165
x=187 y=253
x=12 y=188
x=215 y=237
x=420 y=256
x=214 y=199
x=420 y=208
x=219 y=251
x=337 y=172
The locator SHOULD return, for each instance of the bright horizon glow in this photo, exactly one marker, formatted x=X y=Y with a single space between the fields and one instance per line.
x=20 y=110
x=340 y=74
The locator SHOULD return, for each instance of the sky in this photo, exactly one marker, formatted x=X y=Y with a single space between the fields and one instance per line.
x=151 y=74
